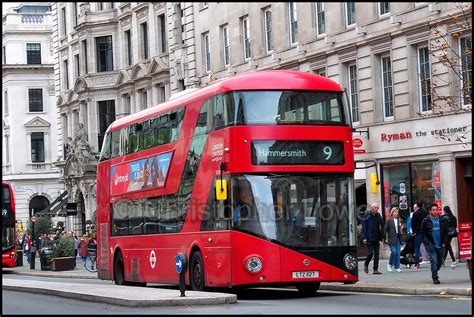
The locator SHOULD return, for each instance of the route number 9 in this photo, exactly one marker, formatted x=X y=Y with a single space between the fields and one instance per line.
x=327 y=150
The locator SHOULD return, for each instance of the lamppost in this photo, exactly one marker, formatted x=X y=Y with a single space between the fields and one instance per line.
x=33 y=220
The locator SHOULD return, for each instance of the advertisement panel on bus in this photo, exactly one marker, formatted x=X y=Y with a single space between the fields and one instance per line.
x=147 y=173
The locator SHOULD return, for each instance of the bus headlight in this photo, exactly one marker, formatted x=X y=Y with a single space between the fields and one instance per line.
x=350 y=261
x=254 y=265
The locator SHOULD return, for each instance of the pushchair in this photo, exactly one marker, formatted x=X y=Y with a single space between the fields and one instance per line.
x=407 y=254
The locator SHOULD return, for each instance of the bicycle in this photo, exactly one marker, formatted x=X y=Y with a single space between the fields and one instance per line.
x=92 y=257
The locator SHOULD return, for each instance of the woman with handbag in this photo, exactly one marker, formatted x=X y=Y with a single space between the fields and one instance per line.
x=393 y=233
x=452 y=233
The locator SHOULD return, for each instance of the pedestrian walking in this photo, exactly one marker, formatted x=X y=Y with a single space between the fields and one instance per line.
x=83 y=252
x=452 y=233
x=419 y=214
x=434 y=231
x=33 y=250
x=392 y=232
x=372 y=234
x=27 y=246
x=92 y=249
x=76 y=245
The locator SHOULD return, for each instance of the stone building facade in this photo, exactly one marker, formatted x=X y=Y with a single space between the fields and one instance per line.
x=138 y=54
x=29 y=132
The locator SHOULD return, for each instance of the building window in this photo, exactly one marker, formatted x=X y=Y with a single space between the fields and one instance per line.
x=320 y=18
x=424 y=79
x=63 y=18
x=225 y=44
x=128 y=40
x=7 y=150
x=162 y=33
x=75 y=11
x=293 y=18
x=144 y=99
x=267 y=14
x=5 y=102
x=106 y=117
x=466 y=70
x=66 y=74
x=387 y=87
x=246 y=37
x=84 y=48
x=33 y=53
x=77 y=64
x=418 y=179
x=384 y=8
x=320 y=72
x=180 y=84
x=353 y=92
x=104 y=54
x=37 y=147
x=207 y=52
x=4 y=55
x=162 y=93
x=144 y=28
x=350 y=13
x=127 y=104
x=35 y=100
x=179 y=29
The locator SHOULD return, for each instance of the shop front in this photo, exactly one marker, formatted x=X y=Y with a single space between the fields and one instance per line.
x=426 y=159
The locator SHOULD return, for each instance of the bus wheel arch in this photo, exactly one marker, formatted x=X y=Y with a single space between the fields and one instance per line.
x=197 y=276
x=119 y=268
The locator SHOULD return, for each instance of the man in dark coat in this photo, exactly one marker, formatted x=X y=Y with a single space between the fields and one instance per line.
x=434 y=230
x=419 y=214
x=372 y=234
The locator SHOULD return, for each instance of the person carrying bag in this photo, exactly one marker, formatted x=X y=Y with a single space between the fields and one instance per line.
x=452 y=233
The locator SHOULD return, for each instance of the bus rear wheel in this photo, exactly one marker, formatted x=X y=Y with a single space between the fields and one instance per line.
x=196 y=272
x=308 y=289
x=119 y=278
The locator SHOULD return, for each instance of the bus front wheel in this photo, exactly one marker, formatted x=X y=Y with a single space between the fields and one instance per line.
x=119 y=278
x=308 y=289
x=196 y=273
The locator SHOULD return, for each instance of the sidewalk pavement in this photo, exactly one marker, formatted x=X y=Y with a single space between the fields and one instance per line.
x=111 y=293
x=409 y=281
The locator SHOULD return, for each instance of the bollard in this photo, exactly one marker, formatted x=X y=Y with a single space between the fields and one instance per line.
x=181 y=265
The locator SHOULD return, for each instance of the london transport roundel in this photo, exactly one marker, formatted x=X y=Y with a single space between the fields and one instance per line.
x=152 y=259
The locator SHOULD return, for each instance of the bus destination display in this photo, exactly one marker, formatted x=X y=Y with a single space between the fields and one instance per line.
x=271 y=152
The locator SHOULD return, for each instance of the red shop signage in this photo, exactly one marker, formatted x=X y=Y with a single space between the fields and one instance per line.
x=465 y=240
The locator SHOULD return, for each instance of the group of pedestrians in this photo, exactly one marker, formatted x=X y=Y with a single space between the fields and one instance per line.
x=82 y=247
x=428 y=228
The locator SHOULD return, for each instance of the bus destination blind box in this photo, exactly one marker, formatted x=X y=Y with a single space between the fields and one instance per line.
x=269 y=152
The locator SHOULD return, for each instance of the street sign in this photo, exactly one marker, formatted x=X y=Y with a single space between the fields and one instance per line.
x=71 y=209
x=181 y=264
x=33 y=218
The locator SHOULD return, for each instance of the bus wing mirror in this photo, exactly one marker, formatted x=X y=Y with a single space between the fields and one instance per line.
x=221 y=189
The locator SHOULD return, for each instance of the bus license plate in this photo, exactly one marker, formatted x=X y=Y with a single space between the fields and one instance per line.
x=305 y=274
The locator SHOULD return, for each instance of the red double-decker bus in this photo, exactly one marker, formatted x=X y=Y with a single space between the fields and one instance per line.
x=8 y=227
x=251 y=178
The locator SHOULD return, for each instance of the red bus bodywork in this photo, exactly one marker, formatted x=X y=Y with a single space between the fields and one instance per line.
x=151 y=257
x=8 y=227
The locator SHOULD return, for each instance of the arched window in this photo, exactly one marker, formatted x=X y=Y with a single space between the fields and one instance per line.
x=37 y=204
